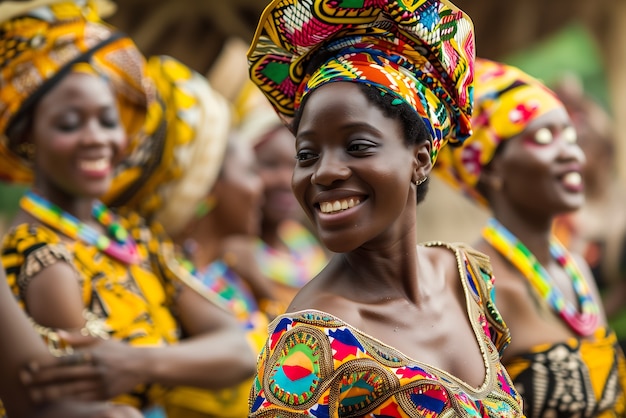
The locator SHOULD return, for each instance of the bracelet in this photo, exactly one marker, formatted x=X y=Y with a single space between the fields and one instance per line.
x=94 y=326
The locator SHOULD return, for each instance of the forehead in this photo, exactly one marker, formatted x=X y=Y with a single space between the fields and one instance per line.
x=341 y=104
x=79 y=86
x=555 y=118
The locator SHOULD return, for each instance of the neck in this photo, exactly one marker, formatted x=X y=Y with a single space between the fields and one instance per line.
x=206 y=240
x=534 y=234
x=80 y=208
x=387 y=270
x=269 y=235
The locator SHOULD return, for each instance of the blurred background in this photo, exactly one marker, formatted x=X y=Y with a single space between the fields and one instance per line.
x=550 y=39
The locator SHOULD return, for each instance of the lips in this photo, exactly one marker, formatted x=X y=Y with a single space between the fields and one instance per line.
x=95 y=167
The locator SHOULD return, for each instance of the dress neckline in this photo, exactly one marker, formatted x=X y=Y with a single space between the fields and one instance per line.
x=488 y=351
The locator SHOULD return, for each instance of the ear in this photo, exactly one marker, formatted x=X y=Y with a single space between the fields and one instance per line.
x=422 y=164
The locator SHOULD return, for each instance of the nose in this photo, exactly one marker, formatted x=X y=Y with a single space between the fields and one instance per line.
x=94 y=133
x=571 y=152
x=329 y=168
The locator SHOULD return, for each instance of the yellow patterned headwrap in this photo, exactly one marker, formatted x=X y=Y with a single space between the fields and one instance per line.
x=506 y=100
x=181 y=150
x=419 y=51
x=38 y=47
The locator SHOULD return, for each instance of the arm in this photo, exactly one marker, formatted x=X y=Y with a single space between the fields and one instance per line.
x=24 y=347
x=215 y=355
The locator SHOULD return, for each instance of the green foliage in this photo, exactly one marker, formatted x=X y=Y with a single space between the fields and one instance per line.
x=570 y=51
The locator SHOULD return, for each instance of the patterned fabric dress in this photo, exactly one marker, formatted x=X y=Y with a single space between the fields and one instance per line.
x=581 y=378
x=134 y=301
x=314 y=364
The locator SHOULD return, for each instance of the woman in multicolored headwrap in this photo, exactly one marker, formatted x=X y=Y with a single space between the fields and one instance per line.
x=146 y=328
x=523 y=161
x=389 y=328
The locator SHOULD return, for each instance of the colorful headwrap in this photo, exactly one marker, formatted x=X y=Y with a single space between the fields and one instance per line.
x=181 y=150
x=421 y=51
x=506 y=100
x=38 y=47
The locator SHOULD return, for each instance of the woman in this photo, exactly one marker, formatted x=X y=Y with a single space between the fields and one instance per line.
x=286 y=251
x=387 y=328
x=145 y=329
x=213 y=241
x=524 y=161
x=598 y=230
x=22 y=345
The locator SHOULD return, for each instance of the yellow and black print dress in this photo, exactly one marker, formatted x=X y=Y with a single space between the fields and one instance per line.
x=135 y=302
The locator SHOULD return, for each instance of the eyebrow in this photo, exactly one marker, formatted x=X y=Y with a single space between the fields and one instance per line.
x=346 y=127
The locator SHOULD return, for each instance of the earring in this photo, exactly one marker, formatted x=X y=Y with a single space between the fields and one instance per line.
x=27 y=150
x=496 y=183
x=420 y=181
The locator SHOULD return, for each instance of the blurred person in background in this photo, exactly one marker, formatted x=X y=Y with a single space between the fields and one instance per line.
x=598 y=229
x=21 y=346
x=286 y=252
x=212 y=211
x=74 y=95
x=523 y=161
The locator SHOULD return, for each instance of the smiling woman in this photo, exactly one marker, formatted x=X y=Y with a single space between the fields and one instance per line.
x=388 y=327
x=524 y=162
x=137 y=328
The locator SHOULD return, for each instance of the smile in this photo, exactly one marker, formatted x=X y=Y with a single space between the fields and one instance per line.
x=339 y=205
x=573 y=179
x=94 y=165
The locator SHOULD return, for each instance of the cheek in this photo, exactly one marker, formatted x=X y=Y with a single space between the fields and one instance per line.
x=299 y=183
x=120 y=141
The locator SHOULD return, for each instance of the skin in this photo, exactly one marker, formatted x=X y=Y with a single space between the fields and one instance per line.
x=226 y=230
x=215 y=354
x=382 y=283
x=25 y=345
x=529 y=195
x=275 y=161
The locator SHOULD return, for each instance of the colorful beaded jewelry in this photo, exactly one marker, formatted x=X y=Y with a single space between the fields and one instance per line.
x=122 y=247
x=585 y=322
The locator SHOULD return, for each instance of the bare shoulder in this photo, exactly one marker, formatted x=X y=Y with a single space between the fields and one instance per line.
x=322 y=294
x=440 y=260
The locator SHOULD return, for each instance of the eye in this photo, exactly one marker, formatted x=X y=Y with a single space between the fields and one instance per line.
x=543 y=136
x=570 y=135
x=360 y=146
x=110 y=119
x=68 y=123
x=305 y=155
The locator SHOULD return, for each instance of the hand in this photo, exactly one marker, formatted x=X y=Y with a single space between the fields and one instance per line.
x=97 y=370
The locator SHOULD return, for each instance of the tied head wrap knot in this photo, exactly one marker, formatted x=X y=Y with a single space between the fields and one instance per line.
x=507 y=100
x=39 y=45
x=420 y=51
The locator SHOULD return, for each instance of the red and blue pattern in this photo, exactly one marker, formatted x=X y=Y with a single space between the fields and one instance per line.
x=315 y=364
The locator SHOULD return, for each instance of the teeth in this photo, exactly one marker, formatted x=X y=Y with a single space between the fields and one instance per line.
x=94 y=165
x=573 y=179
x=338 y=205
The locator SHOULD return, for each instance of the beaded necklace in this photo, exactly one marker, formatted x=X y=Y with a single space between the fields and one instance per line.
x=122 y=246
x=584 y=323
x=219 y=278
